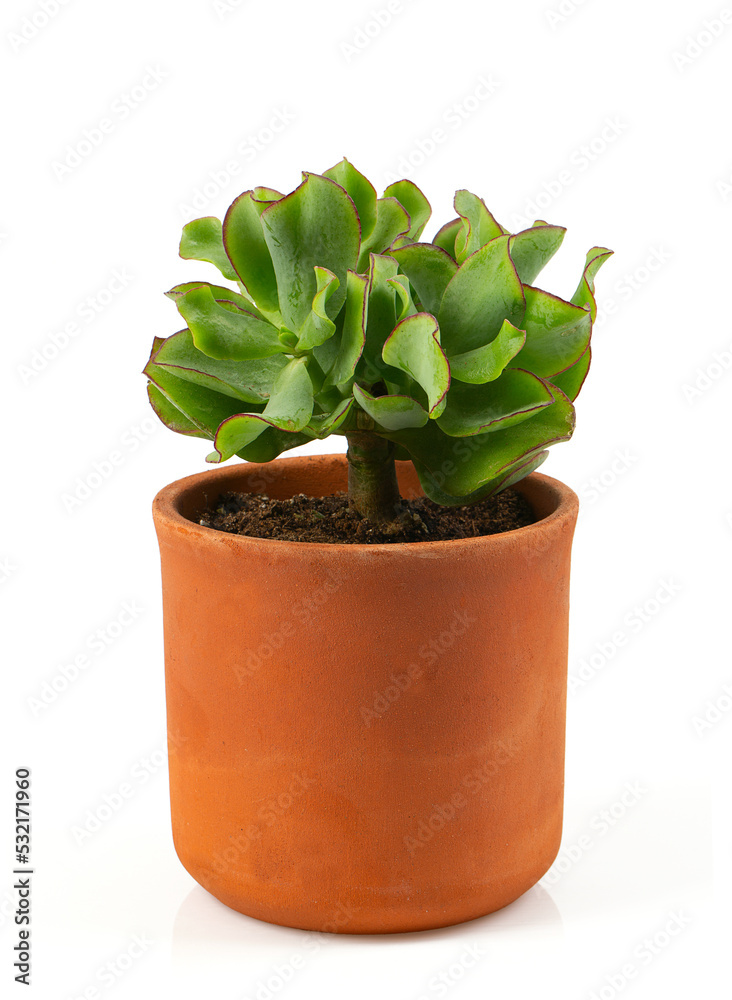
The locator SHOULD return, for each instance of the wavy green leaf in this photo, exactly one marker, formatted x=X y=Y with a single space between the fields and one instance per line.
x=170 y=415
x=585 y=293
x=323 y=424
x=250 y=381
x=248 y=251
x=429 y=268
x=231 y=334
x=446 y=237
x=414 y=203
x=414 y=348
x=484 y=364
x=290 y=408
x=557 y=333
x=478 y=225
x=219 y=292
x=205 y=408
x=484 y=291
x=361 y=191
x=392 y=220
x=316 y=225
x=202 y=240
x=318 y=327
x=470 y=467
x=510 y=399
x=533 y=248
x=571 y=380
x=391 y=412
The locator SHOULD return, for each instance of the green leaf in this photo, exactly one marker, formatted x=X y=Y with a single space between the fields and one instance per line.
x=478 y=225
x=445 y=238
x=467 y=469
x=318 y=327
x=429 y=268
x=404 y=303
x=353 y=332
x=381 y=318
x=510 y=399
x=170 y=415
x=391 y=412
x=202 y=240
x=202 y=407
x=513 y=473
x=391 y=221
x=486 y=363
x=484 y=291
x=263 y=196
x=360 y=189
x=557 y=333
x=414 y=348
x=414 y=203
x=571 y=380
x=218 y=331
x=246 y=247
x=290 y=408
x=219 y=292
x=585 y=293
x=533 y=248
x=323 y=424
x=270 y=443
x=250 y=381
x=317 y=224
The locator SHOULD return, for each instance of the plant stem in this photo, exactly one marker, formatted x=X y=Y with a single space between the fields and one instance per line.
x=372 y=484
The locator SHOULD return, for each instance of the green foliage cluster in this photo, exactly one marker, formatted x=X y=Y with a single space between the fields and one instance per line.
x=341 y=319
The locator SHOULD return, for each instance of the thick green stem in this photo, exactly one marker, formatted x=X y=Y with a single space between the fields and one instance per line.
x=372 y=484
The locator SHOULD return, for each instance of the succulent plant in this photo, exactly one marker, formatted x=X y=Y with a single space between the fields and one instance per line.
x=344 y=321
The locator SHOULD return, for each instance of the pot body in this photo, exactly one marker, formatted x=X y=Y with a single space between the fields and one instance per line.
x=363 y=738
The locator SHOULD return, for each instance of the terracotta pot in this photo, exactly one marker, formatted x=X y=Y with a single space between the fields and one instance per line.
x=364 y=738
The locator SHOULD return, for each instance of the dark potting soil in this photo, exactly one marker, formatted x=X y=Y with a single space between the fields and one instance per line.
x=330 y=519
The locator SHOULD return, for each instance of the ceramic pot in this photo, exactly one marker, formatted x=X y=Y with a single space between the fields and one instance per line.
x=364 y=738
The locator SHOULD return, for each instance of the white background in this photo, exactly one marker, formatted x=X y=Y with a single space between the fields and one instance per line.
x=593 y=109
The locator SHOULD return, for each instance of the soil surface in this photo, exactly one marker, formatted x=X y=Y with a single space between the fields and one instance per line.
x=330 y=519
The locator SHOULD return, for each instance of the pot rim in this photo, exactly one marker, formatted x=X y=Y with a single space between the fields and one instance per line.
x=166 y=510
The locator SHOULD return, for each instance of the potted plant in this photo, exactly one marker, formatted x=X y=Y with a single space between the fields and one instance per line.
x=369 y=737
